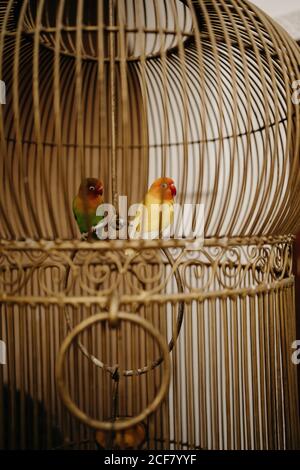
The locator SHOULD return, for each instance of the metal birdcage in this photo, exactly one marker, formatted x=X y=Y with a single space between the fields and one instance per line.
x=148 y=343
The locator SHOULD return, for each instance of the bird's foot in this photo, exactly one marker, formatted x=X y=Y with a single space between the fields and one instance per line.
x=85 y=236
x=89 y=236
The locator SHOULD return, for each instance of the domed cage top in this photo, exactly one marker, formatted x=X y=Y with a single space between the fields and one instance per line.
x=161 y=342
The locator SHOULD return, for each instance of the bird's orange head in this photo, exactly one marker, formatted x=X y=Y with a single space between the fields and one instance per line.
x=163 y=189
x=91 y=188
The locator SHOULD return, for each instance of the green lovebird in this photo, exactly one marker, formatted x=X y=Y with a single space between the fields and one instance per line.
x=89 y=197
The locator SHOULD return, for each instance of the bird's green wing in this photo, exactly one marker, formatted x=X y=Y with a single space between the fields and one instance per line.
x=81 y=219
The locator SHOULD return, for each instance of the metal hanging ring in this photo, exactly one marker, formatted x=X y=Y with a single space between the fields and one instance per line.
x=142 y=370
x=66 y=397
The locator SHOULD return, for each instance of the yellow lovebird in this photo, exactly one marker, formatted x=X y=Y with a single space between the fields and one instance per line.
x=155 y=215
x=85 y=204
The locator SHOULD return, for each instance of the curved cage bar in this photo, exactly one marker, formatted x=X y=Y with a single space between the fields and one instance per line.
x=129 y=91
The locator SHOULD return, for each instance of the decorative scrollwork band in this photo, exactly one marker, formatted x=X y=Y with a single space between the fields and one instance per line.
x=97 y=270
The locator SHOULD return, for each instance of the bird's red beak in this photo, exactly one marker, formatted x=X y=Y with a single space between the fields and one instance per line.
x=100 y=191
x=173 y=190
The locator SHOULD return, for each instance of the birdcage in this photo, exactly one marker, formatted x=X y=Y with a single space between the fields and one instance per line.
x=161 y=343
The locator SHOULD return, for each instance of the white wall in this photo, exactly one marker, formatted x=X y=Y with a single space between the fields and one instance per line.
x=287 y=13
x=276 y=8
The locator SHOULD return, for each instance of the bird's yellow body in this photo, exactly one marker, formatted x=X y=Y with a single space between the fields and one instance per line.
x=155 y=215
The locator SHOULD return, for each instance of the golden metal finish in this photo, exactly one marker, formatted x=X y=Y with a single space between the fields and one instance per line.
x=120 y=424
x=113 y=310
x=266 y=261
x=128 y=91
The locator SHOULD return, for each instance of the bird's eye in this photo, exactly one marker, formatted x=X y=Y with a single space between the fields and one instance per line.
x=91 y=188
x=164 y=185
